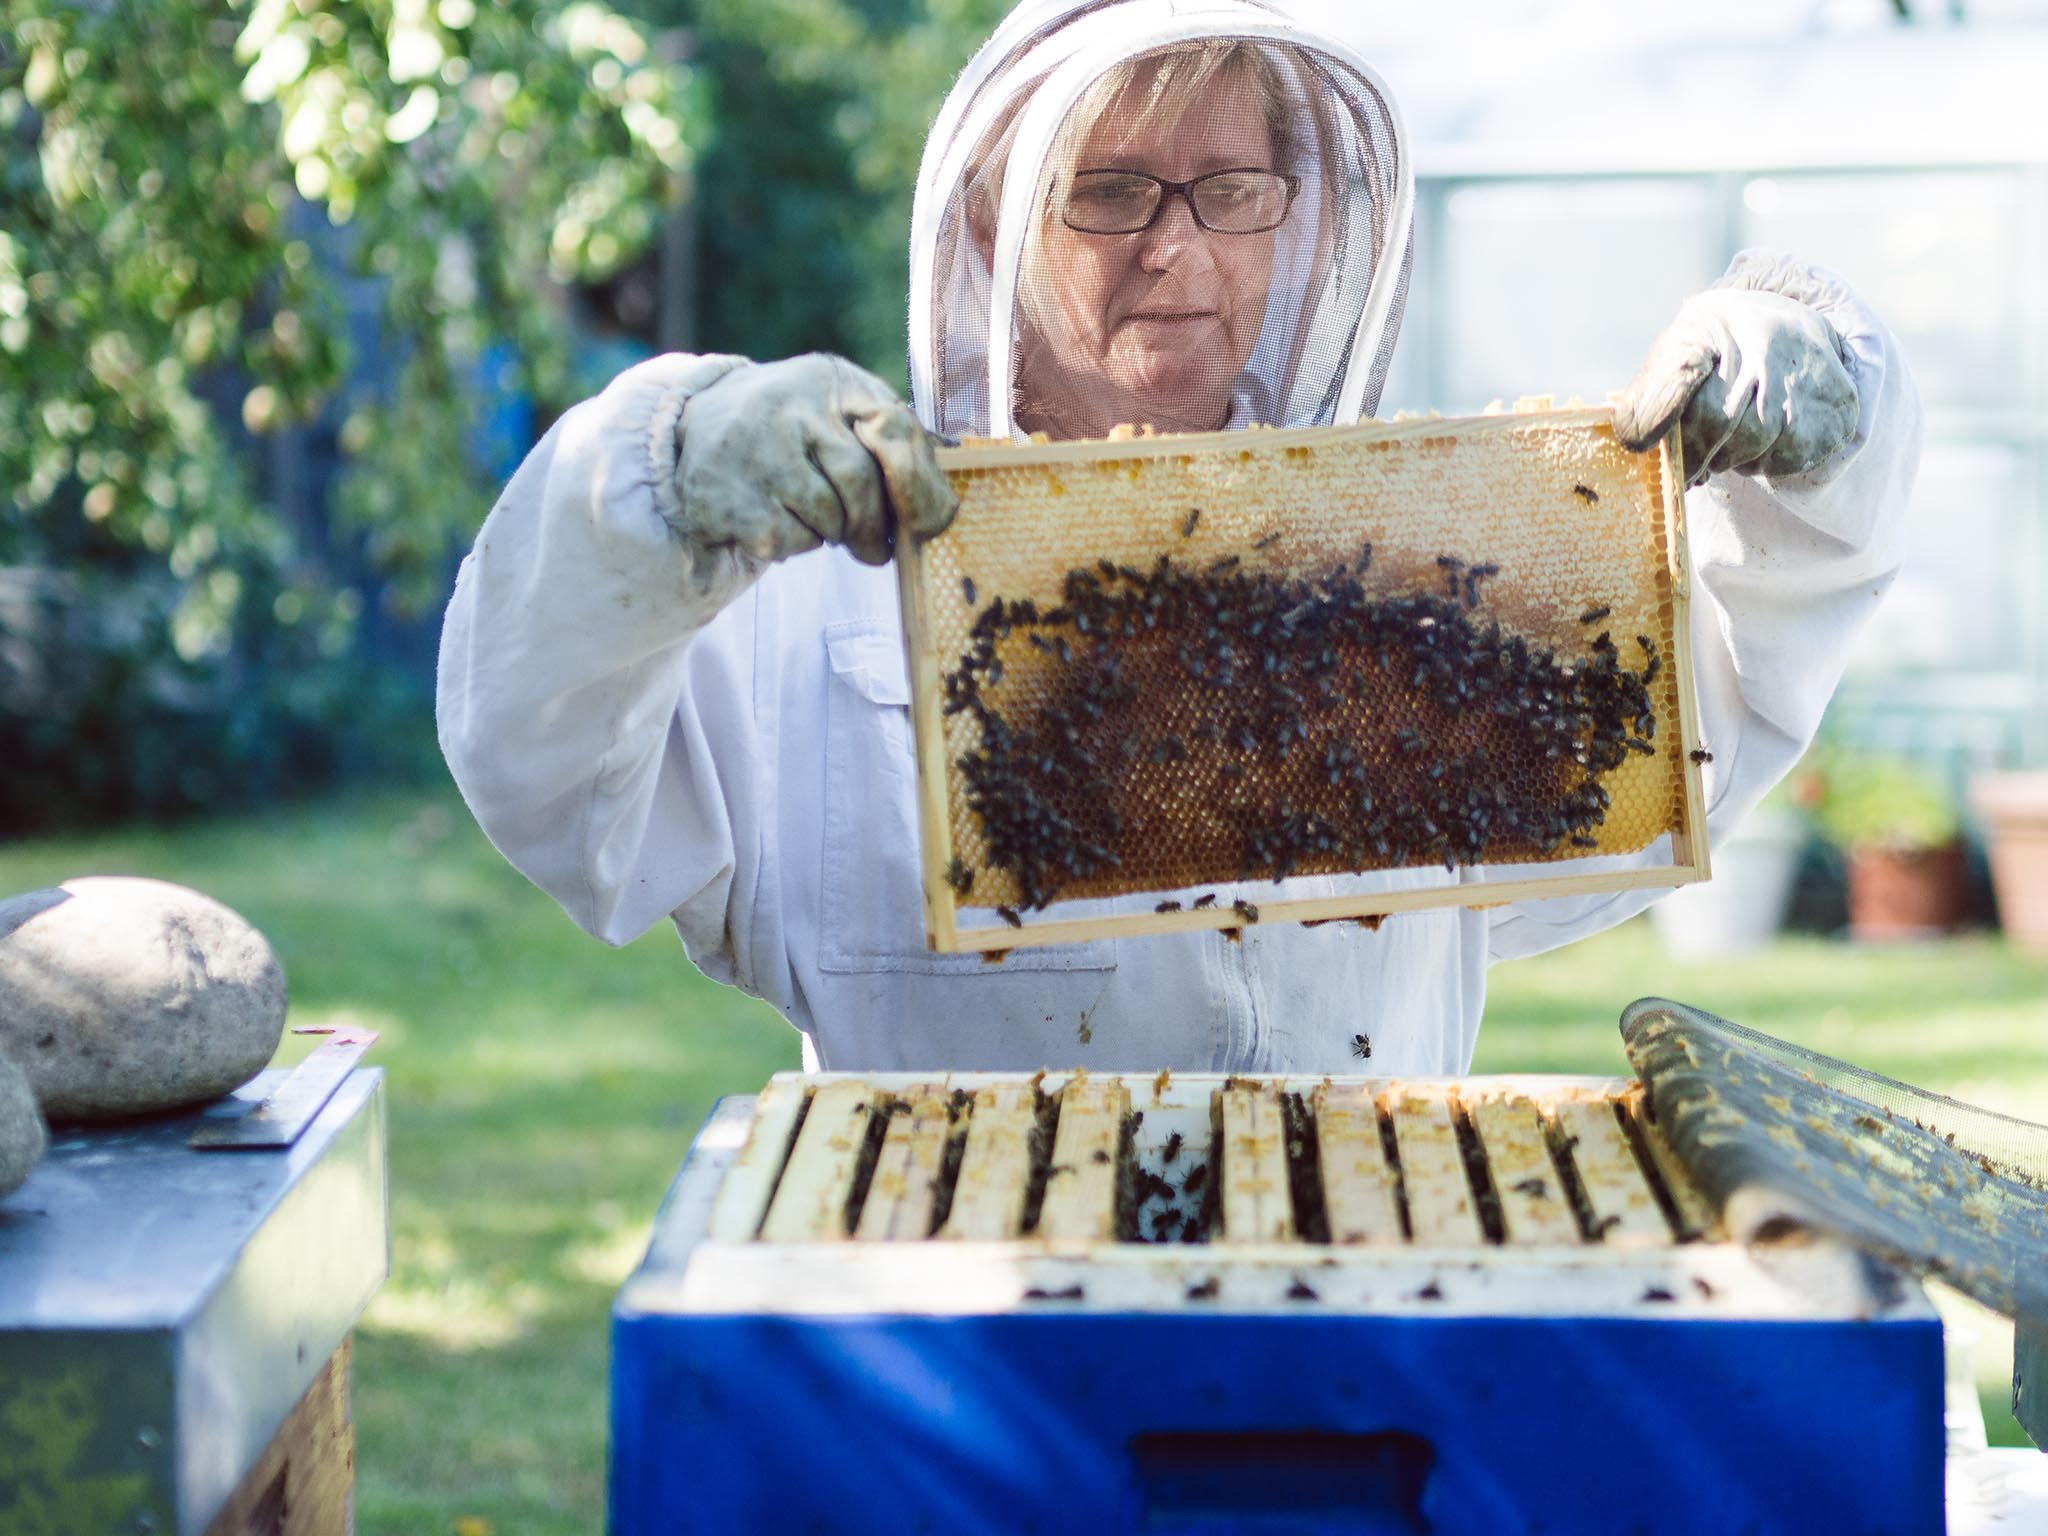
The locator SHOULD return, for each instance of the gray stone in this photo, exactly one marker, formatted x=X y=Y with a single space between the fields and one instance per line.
x=124 y=997
x=22 y=1137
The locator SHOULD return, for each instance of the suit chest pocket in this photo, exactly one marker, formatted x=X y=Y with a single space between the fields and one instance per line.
x=873 y=918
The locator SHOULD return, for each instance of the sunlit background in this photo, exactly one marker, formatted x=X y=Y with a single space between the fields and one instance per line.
x=287 y=288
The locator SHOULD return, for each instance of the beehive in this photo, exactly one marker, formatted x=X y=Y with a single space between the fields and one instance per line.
x=1236 y=656
x=993 y=1301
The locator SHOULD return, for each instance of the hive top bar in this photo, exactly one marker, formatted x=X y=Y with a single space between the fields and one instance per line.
x=990 y=1192
x=1189 y=666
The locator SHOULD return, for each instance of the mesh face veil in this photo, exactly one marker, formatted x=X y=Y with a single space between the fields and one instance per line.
x=1186 y=217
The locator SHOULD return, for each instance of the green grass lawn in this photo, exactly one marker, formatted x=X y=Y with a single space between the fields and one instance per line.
x=543 y=1089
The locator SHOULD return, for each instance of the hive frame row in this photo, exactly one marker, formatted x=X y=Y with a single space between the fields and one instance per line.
x=728 y=1260
x=943 y=930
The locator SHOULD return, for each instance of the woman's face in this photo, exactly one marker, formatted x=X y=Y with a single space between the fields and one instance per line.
x=1151 y=328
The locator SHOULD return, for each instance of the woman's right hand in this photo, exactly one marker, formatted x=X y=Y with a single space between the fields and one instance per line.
x=778 y=458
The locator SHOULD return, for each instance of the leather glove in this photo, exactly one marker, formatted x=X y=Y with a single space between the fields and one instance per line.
x=1754 y=381
x=778 y=458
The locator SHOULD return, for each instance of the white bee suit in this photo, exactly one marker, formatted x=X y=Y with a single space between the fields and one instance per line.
x=727 y=744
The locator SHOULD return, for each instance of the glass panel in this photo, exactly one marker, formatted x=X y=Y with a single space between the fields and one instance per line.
x=1558 y=287
x=1960 y=601
x=1936 y=254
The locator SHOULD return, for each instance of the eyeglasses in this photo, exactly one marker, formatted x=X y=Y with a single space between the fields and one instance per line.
x=1244 y=201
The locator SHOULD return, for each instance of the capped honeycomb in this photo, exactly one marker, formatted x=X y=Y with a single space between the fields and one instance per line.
x=1154 y=664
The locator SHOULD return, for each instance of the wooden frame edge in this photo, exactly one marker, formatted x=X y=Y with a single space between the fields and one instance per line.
x=984 y=455
x=928 y=744
x=1076 y=930
x=1688 y=840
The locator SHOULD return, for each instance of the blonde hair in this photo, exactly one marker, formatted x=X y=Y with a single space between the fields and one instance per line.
x=1180 y=77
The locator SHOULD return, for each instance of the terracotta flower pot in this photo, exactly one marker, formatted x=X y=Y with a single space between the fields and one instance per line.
x=1905 y=893
x=2014 y=808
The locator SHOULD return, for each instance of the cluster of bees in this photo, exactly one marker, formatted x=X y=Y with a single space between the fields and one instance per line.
x=1163 y=1211
x=1179 y=722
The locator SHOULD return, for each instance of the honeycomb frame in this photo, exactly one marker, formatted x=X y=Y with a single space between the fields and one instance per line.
x=1594 y=527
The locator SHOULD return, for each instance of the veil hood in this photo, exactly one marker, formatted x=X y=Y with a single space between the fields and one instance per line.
x=1340 y=262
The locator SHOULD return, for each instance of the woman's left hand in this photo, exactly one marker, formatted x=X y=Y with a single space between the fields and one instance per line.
x=1754 y=381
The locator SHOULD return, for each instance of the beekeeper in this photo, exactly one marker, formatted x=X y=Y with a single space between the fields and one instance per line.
x=672 y=679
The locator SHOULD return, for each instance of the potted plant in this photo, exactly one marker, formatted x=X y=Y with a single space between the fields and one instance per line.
x=1741 y=908
x=2014 y=810
x=1896 y=826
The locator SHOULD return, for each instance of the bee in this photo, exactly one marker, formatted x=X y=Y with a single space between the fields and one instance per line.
x=1268 y=541
x=1173 y=1145
x=1197 y=1177
x=1245 y=910
x=967 y=590
x=1187 y=529
x=1586 y=493
x=1009 y=915
x=1701 y=755
x=1595 y=615
x=1536 y=1188
x=1361 y=1047
x=1167 y=906
x=1301 y=1290
x=1207 y=898
x=959 y=876
x=1227 y=563
x=1206 y=1290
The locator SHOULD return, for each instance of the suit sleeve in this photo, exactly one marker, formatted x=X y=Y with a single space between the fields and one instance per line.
x=595 y=695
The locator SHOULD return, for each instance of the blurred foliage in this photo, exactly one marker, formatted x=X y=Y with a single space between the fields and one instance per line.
x=224 y=221
x=194 y=197
x=820 y=110
x=1868 y=800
